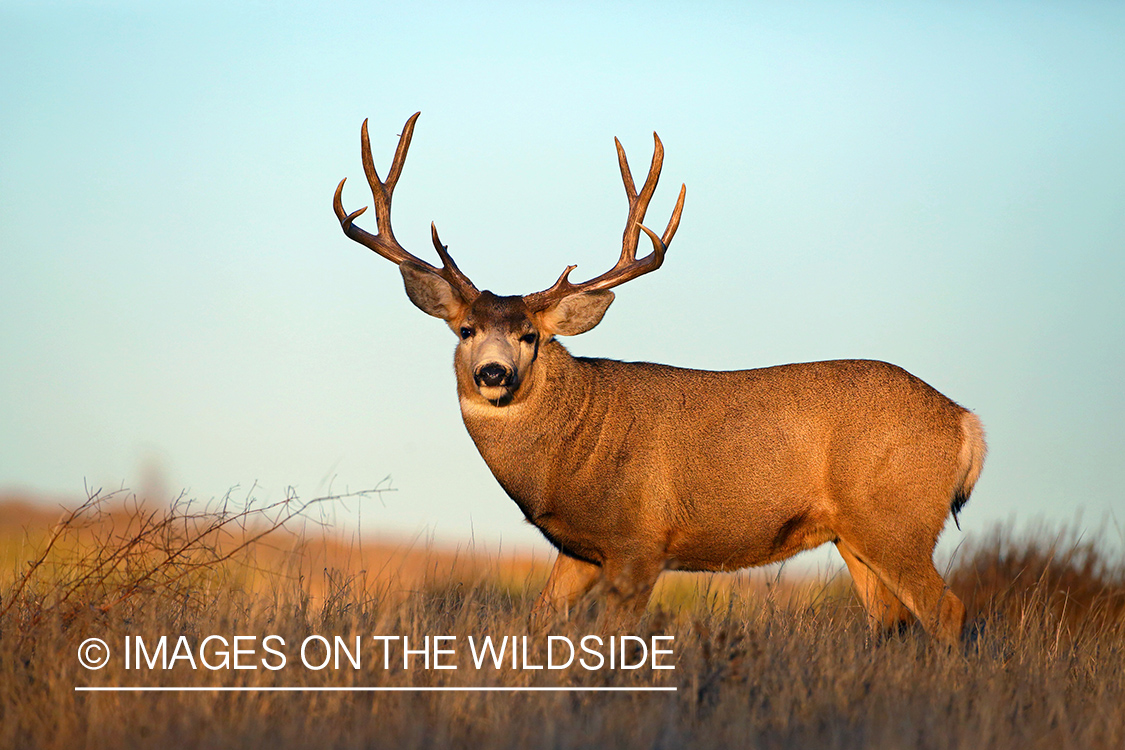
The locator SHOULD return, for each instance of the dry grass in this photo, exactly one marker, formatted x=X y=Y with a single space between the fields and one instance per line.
x=759 y=662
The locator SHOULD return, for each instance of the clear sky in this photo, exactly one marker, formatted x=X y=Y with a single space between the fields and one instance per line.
x=940 y=185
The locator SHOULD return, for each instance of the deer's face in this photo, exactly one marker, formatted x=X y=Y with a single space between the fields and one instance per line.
x=499 y=344
x=499 y=336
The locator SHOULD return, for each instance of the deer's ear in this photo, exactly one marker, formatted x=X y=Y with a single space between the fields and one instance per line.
x=575 y=314
x=430 y=293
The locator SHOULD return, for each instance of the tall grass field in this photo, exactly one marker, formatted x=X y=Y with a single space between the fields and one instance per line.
x=237 y=625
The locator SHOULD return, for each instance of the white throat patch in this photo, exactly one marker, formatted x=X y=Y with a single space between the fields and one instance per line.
x=476 y=409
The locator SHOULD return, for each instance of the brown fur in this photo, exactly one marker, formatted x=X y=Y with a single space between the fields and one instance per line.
x=636 y=467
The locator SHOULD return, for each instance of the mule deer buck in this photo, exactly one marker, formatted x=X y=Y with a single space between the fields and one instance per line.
x=633 y=468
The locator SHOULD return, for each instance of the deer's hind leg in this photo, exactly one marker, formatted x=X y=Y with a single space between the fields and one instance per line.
x=884 y=610
x=908 y=572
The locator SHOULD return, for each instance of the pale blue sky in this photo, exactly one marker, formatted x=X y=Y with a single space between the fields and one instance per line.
x=938 y=185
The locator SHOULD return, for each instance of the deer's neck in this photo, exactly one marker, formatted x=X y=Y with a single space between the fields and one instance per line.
x=543 y=436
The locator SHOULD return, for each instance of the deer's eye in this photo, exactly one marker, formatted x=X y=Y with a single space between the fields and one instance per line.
x=529 y=338
x=466 y=332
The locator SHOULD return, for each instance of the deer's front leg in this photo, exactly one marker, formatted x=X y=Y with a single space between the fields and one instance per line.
x=629 y=583
x=570 y=579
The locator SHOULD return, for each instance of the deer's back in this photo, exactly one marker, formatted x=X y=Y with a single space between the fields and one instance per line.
x=724 y=469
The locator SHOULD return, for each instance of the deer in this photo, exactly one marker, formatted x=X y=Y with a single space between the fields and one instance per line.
x=630 y=469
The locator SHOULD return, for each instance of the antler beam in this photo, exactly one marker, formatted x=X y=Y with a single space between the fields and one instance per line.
x=383 y=241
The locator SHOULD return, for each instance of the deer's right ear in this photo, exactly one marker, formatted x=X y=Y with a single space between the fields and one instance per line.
x=431 y=293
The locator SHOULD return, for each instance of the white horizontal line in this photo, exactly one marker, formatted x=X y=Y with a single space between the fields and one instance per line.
x=368 y=689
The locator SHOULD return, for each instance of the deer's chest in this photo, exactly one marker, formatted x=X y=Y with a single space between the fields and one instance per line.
x=564 y=485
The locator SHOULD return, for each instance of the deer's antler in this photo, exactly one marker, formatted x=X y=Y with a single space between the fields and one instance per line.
x=383 y=241
x=627 y=267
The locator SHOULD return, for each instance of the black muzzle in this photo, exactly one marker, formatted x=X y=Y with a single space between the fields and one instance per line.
x=493 y=376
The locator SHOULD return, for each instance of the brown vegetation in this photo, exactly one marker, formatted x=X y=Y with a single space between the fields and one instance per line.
x=760 y=661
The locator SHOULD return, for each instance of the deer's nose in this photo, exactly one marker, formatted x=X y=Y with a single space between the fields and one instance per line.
x=492 y=375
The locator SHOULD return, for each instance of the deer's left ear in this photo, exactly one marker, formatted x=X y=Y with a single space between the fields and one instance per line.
x=575 y=314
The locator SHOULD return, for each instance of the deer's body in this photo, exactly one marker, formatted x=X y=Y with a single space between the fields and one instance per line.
x=722 y=470
x=632 y=468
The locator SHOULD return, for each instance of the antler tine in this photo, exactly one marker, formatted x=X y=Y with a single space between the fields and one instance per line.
x=558 y=290
x=627 y=266
x=674 y=221
x=449 y=270
x=400 y=152
x=377 y=242
x=384 y=242
x=626 y=173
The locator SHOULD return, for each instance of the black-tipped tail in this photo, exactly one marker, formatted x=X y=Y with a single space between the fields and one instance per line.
x=973 y=450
